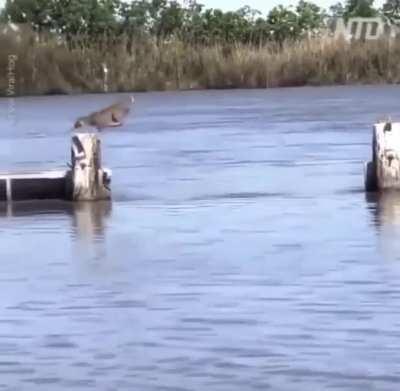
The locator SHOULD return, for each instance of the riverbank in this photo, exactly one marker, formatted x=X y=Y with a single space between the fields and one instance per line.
x=48 y=66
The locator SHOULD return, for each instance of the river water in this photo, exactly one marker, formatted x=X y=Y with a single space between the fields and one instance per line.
x=239 y=252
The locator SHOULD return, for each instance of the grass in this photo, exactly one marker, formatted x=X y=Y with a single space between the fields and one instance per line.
x=48 y=66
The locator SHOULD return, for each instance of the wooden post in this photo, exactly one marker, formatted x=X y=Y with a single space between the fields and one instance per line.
x=88 y=180
x=383 y=172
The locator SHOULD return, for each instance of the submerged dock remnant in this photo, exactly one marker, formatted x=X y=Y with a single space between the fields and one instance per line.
x=85 y=180
x=383 y=171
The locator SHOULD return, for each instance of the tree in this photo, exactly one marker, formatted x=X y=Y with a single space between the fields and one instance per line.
x=360 y=8
x=282 y=22
x=193 y=29
x=169 y=19
x=337 y=10
x=35 y=12
x=285 y=23
x=309 y=16
x=188 y=20
x=134 y=18
x=68 y=16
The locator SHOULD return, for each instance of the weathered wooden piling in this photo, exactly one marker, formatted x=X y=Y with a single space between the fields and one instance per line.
x=383 y=171
x=86 y=180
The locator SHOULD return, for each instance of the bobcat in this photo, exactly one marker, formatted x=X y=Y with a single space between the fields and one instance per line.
x=109 y=117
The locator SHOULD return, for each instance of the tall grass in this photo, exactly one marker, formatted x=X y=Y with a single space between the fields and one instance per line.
x=47 y=65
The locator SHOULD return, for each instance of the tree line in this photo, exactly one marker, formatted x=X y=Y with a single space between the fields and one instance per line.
x=189 y=22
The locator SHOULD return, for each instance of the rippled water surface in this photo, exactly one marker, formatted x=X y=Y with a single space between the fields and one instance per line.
x=239 y=252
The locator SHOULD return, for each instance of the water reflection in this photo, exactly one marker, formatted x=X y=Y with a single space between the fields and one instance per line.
x=88 y=219
x=385 y=210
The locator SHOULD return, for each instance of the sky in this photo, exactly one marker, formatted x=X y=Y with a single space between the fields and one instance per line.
x=261 y=5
